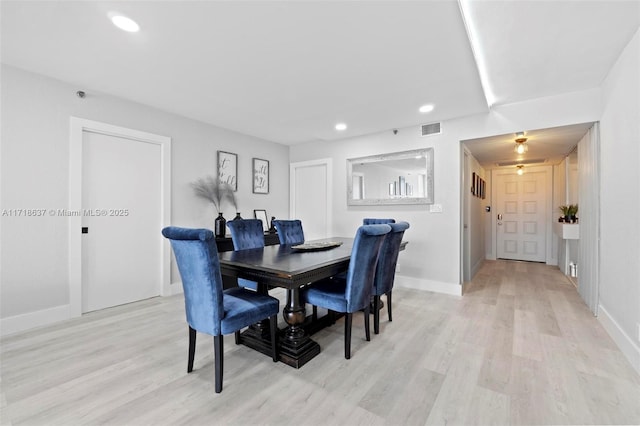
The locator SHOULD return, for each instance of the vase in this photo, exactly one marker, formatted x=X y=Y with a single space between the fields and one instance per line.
x=220 y=226
x=238 y=217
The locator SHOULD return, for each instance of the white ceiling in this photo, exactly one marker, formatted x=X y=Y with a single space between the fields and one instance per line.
x=289 y=71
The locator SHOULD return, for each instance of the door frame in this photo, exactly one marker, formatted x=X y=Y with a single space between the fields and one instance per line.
x=328 y=163
x=77 y=127
x=548 y=170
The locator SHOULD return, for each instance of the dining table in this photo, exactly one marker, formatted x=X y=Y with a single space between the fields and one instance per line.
x=290 y=268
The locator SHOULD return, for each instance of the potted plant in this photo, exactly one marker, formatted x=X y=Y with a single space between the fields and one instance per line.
x=212 y=190
x=573 y=211
x=565 y=213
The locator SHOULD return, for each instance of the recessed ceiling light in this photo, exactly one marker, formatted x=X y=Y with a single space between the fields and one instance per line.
x=124 y=23
x=426 y=108
x=341 y=126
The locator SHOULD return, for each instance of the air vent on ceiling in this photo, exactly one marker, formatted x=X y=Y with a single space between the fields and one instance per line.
x=515 y=163
x=431 y=129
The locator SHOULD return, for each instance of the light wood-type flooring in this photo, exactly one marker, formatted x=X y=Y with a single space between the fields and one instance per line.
x=520 y=347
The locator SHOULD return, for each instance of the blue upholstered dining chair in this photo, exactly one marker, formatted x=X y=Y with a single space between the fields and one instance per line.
x=246 y=234
x=209 y=308
x=289 y=231
x=373 y=221
x=386 y=270
x=353 y=293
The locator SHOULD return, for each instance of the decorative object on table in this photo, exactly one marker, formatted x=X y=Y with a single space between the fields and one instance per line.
x=221 y=311
x=228 y=169
x=238 y=217
x=220 y=228
x=318 y=245
x=260 y=176
x=272 y=228
x=216 y=192
x=262 y=215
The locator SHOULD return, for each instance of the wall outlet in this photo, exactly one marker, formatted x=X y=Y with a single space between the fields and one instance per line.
x=435 y=208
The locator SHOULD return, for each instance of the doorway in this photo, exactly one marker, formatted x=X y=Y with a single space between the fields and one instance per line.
x=120 y=187
x=311 y=183
x=522 y=218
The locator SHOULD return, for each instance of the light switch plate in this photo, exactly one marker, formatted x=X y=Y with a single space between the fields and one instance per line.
x=435 y=208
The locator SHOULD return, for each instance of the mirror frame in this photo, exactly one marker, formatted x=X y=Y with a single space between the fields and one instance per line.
x=428 y=155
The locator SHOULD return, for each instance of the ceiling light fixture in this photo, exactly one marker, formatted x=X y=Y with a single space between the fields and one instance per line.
x=341 y=126
x=426 y=108
x=124 y=23
x=521 y=146
x=520 y=170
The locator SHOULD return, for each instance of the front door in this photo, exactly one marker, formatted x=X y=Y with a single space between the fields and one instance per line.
x=521 y=215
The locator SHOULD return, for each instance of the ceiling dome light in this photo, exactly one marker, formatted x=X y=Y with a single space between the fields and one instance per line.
x=125 y=24
x=520 y=168
x=426 y=108
x=521 y=147
x=341 y=126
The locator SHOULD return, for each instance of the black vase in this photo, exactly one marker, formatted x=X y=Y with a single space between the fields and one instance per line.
x=220 y=226
x=238 y=217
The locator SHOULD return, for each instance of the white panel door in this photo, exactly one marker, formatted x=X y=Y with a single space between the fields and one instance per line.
x=311 y=197
x=122 y=214
x=521 y=216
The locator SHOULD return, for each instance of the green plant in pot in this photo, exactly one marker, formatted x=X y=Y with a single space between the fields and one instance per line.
x=212 y=190
x=573 y=211
x=565 y=212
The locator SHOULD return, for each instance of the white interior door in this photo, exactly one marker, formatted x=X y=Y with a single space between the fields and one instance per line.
x=521 y=215
x=310 y=195
x=122 y=216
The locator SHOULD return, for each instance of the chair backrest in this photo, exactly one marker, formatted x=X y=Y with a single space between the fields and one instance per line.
x=246 y=233
x=289 y=231
x=386 y=269
x=197 y=258
x=374 y=221
x=362 y=267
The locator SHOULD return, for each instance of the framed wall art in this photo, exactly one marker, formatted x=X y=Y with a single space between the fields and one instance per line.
x=228 y=168
x=260 y=176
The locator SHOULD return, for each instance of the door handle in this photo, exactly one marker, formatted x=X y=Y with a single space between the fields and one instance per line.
x=499 y=216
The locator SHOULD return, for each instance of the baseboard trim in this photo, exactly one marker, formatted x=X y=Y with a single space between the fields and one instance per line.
x=22 y=322
x=176 y=288
x=428 y=285
x=626 y=344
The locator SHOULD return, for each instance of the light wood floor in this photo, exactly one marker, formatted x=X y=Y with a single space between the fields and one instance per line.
x=519 y=348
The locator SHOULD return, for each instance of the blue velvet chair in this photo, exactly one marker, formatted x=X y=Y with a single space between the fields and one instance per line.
x=209 y=308
x=353 y=293
x=247 y=234
x=289 y=231
x=386 y=270
x=373 y=221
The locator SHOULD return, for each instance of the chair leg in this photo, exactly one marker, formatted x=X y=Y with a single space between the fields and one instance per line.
x=376 y=314
x=314 y=315
x=237 y=335
x=273 y=320
x=347 y=335
x=218 y=350
x=192 y=349
x=367 y=330
x=389 y=305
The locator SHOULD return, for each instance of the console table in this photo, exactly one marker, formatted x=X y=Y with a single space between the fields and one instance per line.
x=226 y=244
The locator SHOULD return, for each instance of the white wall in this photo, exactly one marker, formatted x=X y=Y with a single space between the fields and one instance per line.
x=432 y=258
x=620 y=198
x=34 y=171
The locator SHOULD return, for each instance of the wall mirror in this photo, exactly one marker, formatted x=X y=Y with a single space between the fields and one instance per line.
x=396 y=178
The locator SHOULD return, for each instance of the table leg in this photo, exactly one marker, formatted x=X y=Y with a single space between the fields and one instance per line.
x=296 y=347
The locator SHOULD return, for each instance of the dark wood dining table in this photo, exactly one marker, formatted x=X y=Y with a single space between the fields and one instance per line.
x=288 y=268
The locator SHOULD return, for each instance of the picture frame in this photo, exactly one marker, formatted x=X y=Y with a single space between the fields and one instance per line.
x=260 y=176
x=228 y=168
x=473 y=183
x=262 y=215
